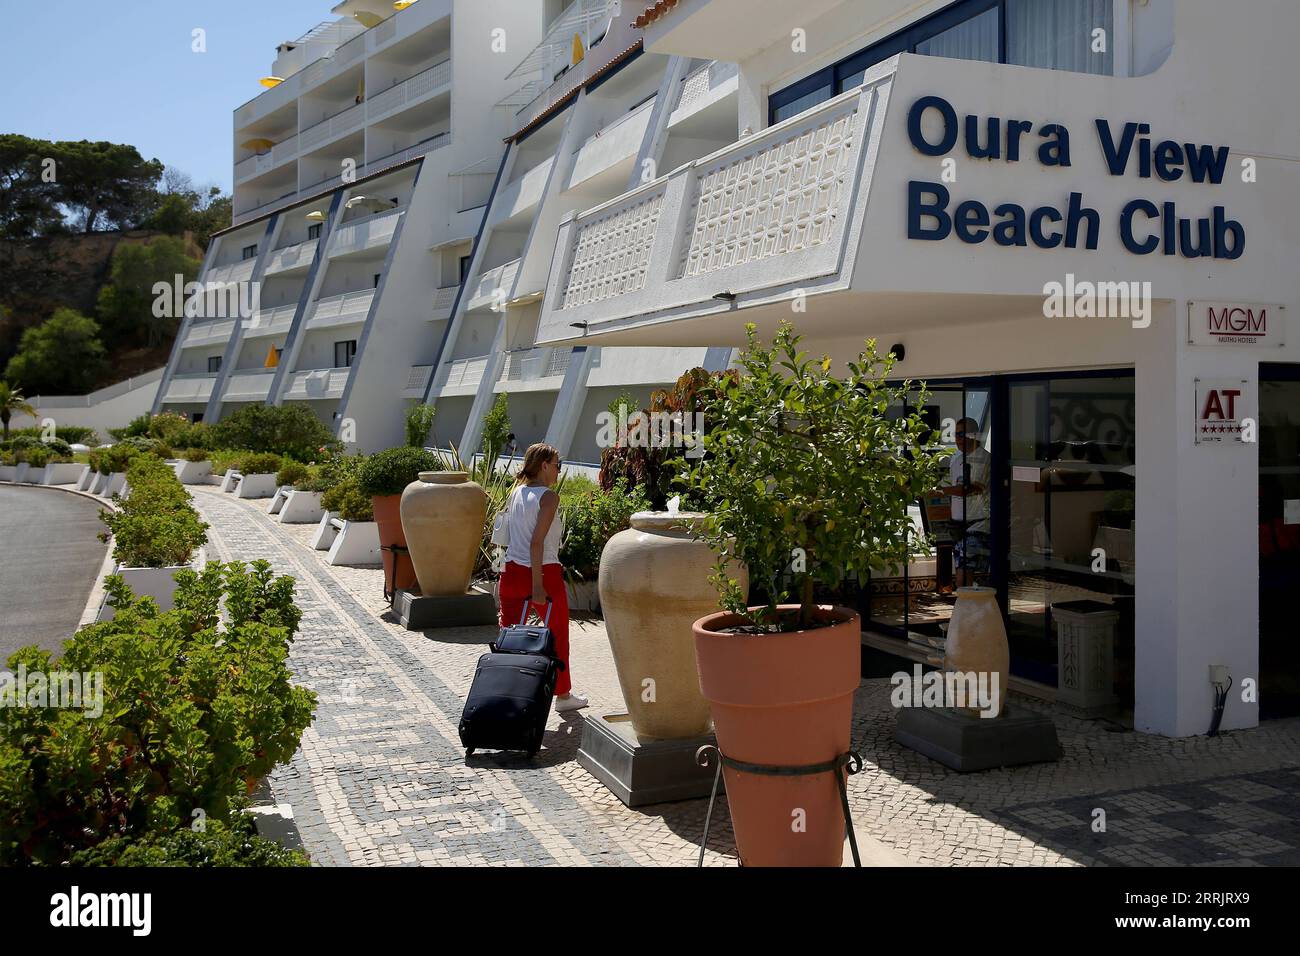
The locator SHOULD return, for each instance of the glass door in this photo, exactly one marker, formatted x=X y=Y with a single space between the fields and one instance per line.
x=1279 y=539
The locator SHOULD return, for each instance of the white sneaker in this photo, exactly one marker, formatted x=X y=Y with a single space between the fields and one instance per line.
x=569 y=702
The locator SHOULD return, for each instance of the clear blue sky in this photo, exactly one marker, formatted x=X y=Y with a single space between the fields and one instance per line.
x=124 y=71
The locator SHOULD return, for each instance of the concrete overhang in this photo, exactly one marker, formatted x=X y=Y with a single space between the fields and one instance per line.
x=730 y=30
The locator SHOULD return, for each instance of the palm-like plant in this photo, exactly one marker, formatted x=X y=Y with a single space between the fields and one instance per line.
x=11 y=401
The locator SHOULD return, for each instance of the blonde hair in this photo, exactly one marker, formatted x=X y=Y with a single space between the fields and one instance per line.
x=536 y=456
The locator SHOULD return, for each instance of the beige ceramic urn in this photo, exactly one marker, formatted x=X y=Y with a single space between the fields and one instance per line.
x=442 y=517
x=977 y=643
x=654 y=584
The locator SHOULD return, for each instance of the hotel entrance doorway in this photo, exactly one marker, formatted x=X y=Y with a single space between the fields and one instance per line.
x=1279 y=539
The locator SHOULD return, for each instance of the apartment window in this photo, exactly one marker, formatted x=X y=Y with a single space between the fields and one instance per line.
x=313 y=231
x=377 y=275
x=250 y=252
x=214 y=363
x=464 y=267
x=344 y=353
x=1049 y=34
x=196 y=417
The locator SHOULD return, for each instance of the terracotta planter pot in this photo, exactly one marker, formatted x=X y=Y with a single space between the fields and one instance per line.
x=654 y=585
x=783 y=700
x=977 y=641
x=397 y=567
x=443 y=515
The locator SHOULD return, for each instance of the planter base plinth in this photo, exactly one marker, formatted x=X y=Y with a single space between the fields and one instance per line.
x=418 y=613
x=641 y=772
x=968 y=743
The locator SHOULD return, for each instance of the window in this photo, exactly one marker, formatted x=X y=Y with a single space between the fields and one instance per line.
x=377 y=276
x=313 y=232
x=1049 y=34
x=196 y=417
x=250 y=252
x=214 y=363
x=464 y=267
x=344 y=353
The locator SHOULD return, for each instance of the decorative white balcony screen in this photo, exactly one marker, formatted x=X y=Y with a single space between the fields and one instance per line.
x=779 y=198
x=612 y=253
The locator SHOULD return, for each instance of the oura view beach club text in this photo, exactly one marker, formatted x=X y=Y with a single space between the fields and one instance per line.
x=1144 y=226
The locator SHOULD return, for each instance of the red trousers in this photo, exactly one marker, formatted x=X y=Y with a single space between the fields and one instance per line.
x=517 y=588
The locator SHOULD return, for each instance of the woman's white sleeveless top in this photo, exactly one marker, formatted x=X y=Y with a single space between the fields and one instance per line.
x=524 y=507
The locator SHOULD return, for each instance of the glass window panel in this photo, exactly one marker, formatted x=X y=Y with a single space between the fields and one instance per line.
x=805 y=102
x=1058 y=34
x=973 y=39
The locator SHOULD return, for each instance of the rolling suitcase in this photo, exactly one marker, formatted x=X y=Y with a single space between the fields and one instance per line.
x=510 y=698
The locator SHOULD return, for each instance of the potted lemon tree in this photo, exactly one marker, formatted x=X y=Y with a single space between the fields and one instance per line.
x=809 y=477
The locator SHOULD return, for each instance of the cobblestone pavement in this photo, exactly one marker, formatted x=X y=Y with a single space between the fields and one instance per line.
x=381 y=777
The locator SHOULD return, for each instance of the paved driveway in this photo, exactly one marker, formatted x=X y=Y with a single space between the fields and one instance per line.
x=49 y=559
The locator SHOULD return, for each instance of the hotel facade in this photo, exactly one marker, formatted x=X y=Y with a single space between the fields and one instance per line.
x=1072 y=219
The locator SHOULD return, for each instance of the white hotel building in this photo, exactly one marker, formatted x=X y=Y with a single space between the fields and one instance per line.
x=918 y=171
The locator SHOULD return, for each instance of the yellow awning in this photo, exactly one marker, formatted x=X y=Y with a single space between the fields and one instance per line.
x=402 y=4
x=272 y=358
x=367 y=19
x=578 y=52
x=259 y=145
x=271 y=81
x=316 y=215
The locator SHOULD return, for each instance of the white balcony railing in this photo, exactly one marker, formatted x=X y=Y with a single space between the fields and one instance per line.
x=770 y=211
x=465 y=372
x=532 y=365
x=268 y=322
x=278 y=155
x=341 y=309
x=297 y=256
x=409 y=91
x=332 y=127
x=699 y=84
x=417 y=381
x=252 y=385
x=210 y=332
x=240 y=271
x=494 y=285
x=443 y=300
x=376 y=230
x=318 y=383
x=191 y=387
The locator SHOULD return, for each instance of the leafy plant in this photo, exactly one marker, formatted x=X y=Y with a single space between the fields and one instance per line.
x=218 y=844
x=419 y=422
x=330 y=472
x=291 y=472
x=809 y=475
x=389 y=472
x=71 y=434
x=194 y=712
x=37 y=457
x=195 y=454
x=590 y=520
x=156 y=526
x=261 y=463
x=292 y=430
x=496 y=430
x=12 y=401
x=114 y=459
x=348 y=501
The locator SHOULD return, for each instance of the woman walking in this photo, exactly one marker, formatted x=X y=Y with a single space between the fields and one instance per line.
x=533 y=572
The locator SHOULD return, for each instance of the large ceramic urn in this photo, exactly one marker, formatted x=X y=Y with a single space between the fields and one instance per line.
x=977 y=644
x=654 y=584
x=443 y=515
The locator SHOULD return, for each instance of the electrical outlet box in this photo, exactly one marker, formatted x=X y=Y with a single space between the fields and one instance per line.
x=1219 y=674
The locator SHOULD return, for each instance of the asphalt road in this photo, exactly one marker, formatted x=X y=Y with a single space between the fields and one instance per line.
x=49 y=559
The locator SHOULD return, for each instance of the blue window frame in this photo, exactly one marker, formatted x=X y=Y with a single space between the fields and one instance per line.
x=1052 y=34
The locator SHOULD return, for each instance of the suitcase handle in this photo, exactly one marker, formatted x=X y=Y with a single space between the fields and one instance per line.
x=546 y=622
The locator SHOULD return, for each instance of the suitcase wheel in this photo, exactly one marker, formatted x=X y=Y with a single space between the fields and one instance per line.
x=469 y=751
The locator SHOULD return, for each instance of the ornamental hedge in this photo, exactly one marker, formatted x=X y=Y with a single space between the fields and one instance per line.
x=389 y=472
x=156 y=526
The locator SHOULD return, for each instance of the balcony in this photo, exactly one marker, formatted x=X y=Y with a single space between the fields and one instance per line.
x=443 y=300
x=617 y=142
x=209 y=333
x=367 y=233
x=255 y=166
x=192 y=388
x=240 y=271
x=346 y=121
x=463 y=376
x=534 y=369
x=522 y=194
x=318 y=383
x=342 y=309
x=298 y=256
x=777 y=211
x=409 y=92
x=705 y=86
x=502 y=278
x=268 y=322
x=417 y=381
x=253 y=385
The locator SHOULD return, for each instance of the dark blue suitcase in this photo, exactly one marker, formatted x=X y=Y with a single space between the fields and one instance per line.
x=509 y=702
x=524 y=638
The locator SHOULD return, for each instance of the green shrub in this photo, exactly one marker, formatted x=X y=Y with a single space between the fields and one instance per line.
x=225 y=459
x=194 y=712
x=72 y=434
x=291 y=430
x=592 y=519
x=348 y=501
x=37 y=457
x=114 y=459
x=290 y=473
x=148 y=446
x=496 y=429
x=419 y=422
x=138 y=427
x=389 y=472
x=167 y=427
x=156 y=526
x=197 y=435
x=217 y=844
x=195 y=454
x=330 y=472
x=8 y=458
x=261 y=463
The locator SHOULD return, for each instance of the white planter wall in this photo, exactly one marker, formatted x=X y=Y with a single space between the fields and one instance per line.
x=62 y=473
x=231 y=480
x=193 y=472
x=301 y=507
x=255 y=486
x=86 y=478
x=114 y=484
x=7 y=472
x=326 y=531
x=157 y=583
x=357 y=546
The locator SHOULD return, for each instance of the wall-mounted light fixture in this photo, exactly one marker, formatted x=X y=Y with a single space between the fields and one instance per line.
x=579 y=325
x=899 y=351
x=727 y=296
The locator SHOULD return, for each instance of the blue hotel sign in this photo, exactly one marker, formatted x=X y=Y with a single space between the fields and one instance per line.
x=1144 y=226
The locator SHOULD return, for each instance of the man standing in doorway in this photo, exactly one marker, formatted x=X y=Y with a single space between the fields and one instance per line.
x=968 y=477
